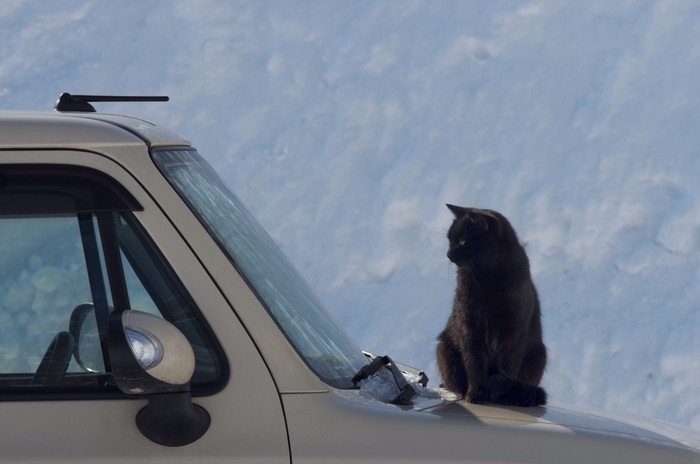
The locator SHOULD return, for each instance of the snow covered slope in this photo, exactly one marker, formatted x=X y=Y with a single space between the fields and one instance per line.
x=346 y=126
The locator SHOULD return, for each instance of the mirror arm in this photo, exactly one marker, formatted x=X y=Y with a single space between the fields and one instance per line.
x=171 y=419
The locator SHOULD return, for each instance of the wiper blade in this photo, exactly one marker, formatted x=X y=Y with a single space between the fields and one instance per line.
x=420 y=377
x=406 y=391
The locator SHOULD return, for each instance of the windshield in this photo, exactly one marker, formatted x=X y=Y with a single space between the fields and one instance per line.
x=328 y=351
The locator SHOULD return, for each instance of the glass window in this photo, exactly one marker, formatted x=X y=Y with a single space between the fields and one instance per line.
x=309 y=327
x=43 y=276
x=56 y=232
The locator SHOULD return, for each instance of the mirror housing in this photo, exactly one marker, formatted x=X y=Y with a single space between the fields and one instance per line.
x=150 y=356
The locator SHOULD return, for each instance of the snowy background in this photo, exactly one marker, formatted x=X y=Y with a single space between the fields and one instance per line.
x=347 y=125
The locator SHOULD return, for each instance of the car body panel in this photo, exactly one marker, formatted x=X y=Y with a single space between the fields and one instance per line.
x=19 y=129
x=456 y=431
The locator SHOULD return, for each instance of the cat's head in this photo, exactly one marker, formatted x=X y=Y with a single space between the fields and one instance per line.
x=477 y=235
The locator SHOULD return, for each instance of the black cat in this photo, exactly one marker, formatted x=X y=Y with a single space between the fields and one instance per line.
x=491 y=349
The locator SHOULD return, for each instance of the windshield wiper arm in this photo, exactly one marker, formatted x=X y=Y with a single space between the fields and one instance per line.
x=406 y=391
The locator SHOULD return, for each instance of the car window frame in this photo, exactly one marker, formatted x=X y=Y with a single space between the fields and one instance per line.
x=110 y=197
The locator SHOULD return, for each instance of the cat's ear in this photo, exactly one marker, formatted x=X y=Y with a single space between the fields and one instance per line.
x=458 y=211
x=499 y=224
x=493 y=223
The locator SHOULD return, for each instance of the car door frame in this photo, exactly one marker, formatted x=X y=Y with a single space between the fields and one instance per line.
x=247 y=415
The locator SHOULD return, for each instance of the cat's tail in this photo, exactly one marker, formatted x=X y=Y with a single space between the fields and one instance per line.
x=503 y=390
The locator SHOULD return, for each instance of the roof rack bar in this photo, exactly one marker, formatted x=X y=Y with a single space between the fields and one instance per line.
x=68 y=102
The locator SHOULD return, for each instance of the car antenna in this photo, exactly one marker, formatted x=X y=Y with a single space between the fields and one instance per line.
x=68 y=102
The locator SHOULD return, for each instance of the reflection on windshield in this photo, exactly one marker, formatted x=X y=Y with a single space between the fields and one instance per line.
x=308 y=326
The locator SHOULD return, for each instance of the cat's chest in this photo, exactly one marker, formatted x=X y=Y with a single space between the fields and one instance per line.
x=496 y=325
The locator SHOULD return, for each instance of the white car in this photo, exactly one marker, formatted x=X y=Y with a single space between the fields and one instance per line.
x=145 y=316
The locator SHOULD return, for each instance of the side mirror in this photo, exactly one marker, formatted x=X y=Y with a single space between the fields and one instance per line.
x=150 y=356
x=83 y=328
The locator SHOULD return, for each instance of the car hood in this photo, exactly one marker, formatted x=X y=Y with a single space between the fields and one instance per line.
x=571 y=418
x=435 y=429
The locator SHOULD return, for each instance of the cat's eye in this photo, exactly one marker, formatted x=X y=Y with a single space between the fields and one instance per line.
x=462 y=242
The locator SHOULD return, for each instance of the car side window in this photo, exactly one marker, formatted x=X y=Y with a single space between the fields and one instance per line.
x=42 y=278
x=72 y=251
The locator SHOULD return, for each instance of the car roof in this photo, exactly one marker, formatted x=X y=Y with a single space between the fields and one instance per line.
x=54 y=129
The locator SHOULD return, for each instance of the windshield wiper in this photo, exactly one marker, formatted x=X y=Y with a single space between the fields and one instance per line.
x=406 y=391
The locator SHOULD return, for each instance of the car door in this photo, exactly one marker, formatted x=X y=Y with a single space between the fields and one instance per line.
x=80 y=235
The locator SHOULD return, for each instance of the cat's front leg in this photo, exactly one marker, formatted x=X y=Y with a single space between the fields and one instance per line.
x=475 y=396
x=476 y=365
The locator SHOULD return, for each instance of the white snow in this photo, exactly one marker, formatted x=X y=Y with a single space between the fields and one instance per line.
x=346 y=127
